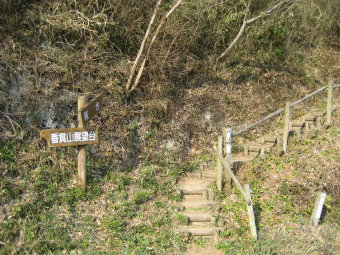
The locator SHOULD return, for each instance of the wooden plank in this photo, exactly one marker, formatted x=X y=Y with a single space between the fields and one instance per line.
x=329 y=104
x=251 y=216
x=219 y=166
x=298 y=124
x=82 y=149
x=254 y=148
x=70 y=136
x=227 y=143
x=286 y=128
x=199 y=218
x=269 y=139
x=319 y=202
x=91 y=109
x=233 y=177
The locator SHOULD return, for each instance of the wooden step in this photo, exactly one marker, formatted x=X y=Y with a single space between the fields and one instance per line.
x=194 y=191
x=194 y=198
x=269 y=139
x=200 y=217
x=200 y=231
x=252 y=150
x=197 y=205
x=296 y=129
x=269 y=148
x=192 y=195
x=241 y=158
x=309 y=117
x=298 y=124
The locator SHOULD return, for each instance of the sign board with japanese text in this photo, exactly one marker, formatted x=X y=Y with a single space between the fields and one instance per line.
x=70 y=136
x=91 y=109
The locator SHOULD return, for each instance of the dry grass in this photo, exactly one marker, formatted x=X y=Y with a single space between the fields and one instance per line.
x=283 y=194
x=52 y=51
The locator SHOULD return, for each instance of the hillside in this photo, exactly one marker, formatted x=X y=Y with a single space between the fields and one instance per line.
x=283 y=192
x=51 y=52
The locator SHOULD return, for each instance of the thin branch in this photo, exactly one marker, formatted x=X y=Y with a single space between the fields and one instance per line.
x=247 y=22
x=267 y=12
x=160 y=26
x=169 y=49
x=141 y=49
x=13 y=124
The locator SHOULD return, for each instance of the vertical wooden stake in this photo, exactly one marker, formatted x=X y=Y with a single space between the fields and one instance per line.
x=319 y=202
x=216 y=236
x=251 y=216
x=227 y=143
x=246 y=150
x=219 y=166
x=82 y=148
x=329 y=103
x=286 y=128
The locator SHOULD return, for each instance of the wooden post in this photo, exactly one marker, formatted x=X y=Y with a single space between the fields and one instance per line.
x=286 y=128
x=82 y=148
x=316 y=215
x=216 y=236
x=251 y=216
x=233 y=177
x=219 y=166
x=227 y=143
x=329 y=103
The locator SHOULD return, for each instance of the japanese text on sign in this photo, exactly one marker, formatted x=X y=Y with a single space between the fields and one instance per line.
x=72 y=137
x=91 y=109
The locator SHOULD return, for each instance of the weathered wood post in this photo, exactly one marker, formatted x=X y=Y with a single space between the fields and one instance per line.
x=316 y=215
x=81 y=148
x=286 y=128
x=329 y=103
x=227 y=143
x=251 y=216
x=219 y=166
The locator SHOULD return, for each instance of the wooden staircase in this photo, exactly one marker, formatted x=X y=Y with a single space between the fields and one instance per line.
x=198 y=206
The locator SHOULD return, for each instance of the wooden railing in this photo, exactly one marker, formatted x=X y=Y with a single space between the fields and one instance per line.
x=223 y=147
x=280 y=111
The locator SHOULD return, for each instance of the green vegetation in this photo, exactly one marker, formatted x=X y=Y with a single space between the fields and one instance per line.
x=43 y=211
x=51 y=51
x=283 y=193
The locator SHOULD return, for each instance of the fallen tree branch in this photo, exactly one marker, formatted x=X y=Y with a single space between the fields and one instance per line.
x=247 y=22
x=141 y=49
x=160 y=26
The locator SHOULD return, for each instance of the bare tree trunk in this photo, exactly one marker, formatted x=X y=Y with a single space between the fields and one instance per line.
x=247 y=22
x=160 y=26
x=141 y=49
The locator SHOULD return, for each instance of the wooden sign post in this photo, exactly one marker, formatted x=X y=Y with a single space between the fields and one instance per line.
x=80 y=136
x=81 y=149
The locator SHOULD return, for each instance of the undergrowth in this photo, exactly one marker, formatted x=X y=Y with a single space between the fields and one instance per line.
x=53 y=51
x=43 y=211
x=283 y=195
